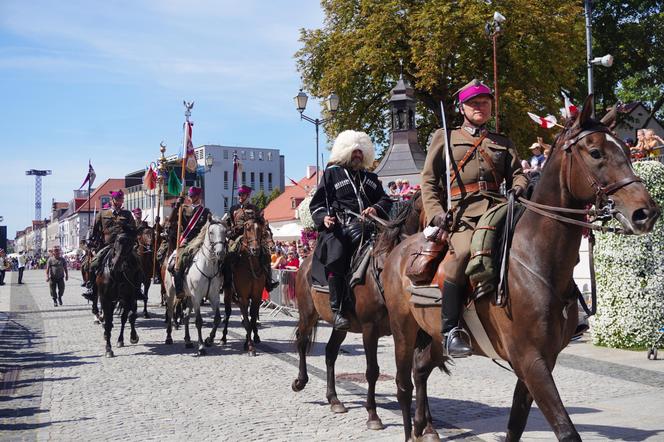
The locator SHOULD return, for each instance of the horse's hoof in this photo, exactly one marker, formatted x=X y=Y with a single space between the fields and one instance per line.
x=146 y=315
x=109 y=354
x=251 y=353
x=134 y=340
x=202 y=352
x=223 y=341
x=375 y=424
x=428 y=437
x=338 y=408
x=208 y=342
x=189 y=345
x=168 y=341
x=298 y=385
x=120 y=343
x=257 y=340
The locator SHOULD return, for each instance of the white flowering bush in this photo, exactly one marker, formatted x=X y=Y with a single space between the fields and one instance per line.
x=630 y=277
x=304 y=214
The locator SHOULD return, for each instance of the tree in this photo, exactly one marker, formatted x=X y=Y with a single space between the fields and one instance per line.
x=259 y=200
x=273 y=195
x=442 y=45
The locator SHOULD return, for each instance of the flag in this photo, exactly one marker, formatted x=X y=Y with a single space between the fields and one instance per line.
x=90 y=177
x=547 y=122
x=570 y=110
x=190 y=160
x=293 y=181
x=150 y=179
x=174 y=183
x=237 y=169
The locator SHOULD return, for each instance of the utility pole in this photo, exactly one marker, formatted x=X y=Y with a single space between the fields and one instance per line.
x=38 y=174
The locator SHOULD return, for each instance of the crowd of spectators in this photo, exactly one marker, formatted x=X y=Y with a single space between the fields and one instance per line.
x=648 y=144
x=401 y=190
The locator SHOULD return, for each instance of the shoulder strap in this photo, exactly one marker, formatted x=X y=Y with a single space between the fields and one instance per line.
x=465 y=158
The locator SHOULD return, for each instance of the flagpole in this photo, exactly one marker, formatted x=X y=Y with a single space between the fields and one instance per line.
x=161 y=168
x=187 y=114
x=89 y=187
x=235 y=172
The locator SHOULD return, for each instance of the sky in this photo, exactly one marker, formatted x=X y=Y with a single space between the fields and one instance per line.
x=105 y=81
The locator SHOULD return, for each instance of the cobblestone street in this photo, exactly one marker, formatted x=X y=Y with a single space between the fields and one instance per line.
x=56 y=384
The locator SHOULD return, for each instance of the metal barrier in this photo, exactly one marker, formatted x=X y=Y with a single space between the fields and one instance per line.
x=282 y=298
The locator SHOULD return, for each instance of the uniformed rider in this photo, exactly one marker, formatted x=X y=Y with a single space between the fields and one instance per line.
x=484 y=160
x=108 y=224
x=239 y=213
x=346 y=187
x=194 y=217
x=138 y=219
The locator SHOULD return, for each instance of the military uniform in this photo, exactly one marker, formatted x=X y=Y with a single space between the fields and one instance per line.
x=476 y=188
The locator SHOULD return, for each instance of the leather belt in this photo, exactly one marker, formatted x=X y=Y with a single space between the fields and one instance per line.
x=474 y=187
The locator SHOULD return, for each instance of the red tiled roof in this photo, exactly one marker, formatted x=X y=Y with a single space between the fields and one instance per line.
x=281 y=208
x=103 y=190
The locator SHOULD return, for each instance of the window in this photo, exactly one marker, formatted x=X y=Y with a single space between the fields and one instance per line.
x=105 y=201
x=225 y=204
x=244 y=177
x=293 y=203
x=261 y=180
x=225 y=154
x=244 y=154
x=260 y=156
x=269 y=156
x=226 y=179
x=253 y=180
x=269 y=182
x=252 y=155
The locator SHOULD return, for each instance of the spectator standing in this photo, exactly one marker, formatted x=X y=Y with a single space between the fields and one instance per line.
x=392 y=191
x=537 y=160
x=56 y=275
x=652 y=142
x=280 y=261
x=405 y=189
x=4 y=263
x=21 y=266
x=292 y=262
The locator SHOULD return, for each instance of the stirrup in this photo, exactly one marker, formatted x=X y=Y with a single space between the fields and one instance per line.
x=457 y=331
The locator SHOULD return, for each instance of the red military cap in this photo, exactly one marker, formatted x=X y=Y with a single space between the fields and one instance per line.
x=472 y=90
x=246 y=190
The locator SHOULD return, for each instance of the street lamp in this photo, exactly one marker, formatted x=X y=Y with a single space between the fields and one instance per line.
x=493 y=30
x=209 y=162
x=331 y=103
x=606 y=61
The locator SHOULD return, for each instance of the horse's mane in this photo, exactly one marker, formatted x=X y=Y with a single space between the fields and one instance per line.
x=197 y=242
x=391 y=234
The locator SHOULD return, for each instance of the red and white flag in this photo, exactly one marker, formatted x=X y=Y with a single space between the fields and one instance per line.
x=190 y=161
x=90 y=177
x=546 y=122
x=570 y=110
x=150 y=179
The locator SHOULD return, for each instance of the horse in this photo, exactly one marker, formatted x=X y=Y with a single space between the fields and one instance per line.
x=145 y=255
x=249 y=280
x=369 y=316
x=118 y=282
x=588 y=164
x=85 y=275
x=203 y=279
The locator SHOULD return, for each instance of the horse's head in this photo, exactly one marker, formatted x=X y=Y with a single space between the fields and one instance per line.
x=596 y=168
x=146 y=238
x=122 y=248
x=251 y=238
x=216 y=238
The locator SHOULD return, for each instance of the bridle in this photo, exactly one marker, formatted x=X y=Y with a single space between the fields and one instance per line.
x=213 y=258
x=604 y=208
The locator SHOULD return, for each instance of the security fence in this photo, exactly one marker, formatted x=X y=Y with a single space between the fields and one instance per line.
x=282 y=298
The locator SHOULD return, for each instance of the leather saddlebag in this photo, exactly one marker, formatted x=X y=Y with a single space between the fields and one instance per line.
x=424 y=259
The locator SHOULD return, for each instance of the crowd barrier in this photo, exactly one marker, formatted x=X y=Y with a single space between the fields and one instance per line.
x=282 y=298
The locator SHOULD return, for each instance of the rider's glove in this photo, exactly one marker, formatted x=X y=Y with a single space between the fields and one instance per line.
x=517 y=191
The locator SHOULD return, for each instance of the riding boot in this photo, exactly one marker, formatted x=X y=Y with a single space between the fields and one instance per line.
x=270 y=284
x=178 y=275
x=337 y=285
x=453 y=336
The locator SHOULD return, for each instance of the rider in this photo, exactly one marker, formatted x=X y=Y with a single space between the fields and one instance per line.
x=484 y=159
x=138 y=219
x=346 y=186
x=194 y=217
x=108 y=224
x=238 y=214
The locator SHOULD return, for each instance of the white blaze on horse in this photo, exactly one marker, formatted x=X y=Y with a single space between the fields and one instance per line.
x=202 y=280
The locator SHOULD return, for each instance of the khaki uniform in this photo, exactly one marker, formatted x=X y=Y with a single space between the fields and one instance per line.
x=108 y=225
x=475 y=189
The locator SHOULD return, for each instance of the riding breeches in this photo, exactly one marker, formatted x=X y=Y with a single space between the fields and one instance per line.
x=454 y=264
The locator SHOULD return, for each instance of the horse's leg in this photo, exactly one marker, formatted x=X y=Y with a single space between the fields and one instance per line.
x=404 y=332
x=169 y=321
x=187 y=337
x=107 y=307
x=536 y=374
x=146 y=289
x=199 y=328
x=133 y=313
x=123 y=321
x=255 y=311
x=228 y=308
x=521 y=403
x=214 y=302
x=308 y=317
x=244 y=310
x=370 y=340
x=331 y=353
x=423 y=364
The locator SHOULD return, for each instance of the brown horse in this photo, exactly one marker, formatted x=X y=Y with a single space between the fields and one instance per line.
x=249 y=280
x=369 y=318
x=145 y=255
x=588 y=164
x=85 y=275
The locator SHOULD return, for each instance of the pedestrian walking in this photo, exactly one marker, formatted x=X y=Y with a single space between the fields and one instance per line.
x=21 y=266
x=4 y=265
x=56 y=275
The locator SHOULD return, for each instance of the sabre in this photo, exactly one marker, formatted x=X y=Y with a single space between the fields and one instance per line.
x=448 y=166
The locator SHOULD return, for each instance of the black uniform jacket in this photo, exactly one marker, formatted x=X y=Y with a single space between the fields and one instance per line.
x=339 y=191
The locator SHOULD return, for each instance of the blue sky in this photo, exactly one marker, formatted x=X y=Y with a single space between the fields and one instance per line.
x=105 y=80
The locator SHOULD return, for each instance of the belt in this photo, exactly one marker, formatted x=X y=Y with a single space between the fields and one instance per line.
x=474 y=187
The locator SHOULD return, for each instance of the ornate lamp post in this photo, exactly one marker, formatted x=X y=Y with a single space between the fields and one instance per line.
x=493 y=30
x=331 y=104
x=606 y=61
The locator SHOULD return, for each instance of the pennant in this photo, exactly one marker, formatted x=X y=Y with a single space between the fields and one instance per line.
x=174 y=183
x=570 y=110
x=237 y=169
x=547 y=122
x=190 y=161
x=150 y=179
x=90 y=177
x=295 y=183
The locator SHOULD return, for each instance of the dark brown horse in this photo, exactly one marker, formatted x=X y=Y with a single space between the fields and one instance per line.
x=118 y=282
x=145 y=255
x=249 y=280
x=85 y=275
x=369 y=318
x=588 y=164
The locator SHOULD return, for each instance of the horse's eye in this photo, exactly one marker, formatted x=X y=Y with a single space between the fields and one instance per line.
x=595 y=153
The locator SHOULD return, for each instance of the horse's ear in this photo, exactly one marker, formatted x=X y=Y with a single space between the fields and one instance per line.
x=611 y=118
x=585 y=115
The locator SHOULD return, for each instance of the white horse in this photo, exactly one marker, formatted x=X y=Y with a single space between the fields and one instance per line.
x=204 y=279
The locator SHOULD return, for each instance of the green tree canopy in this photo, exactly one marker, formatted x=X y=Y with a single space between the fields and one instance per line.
x=260 y=200
x=443 y=45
